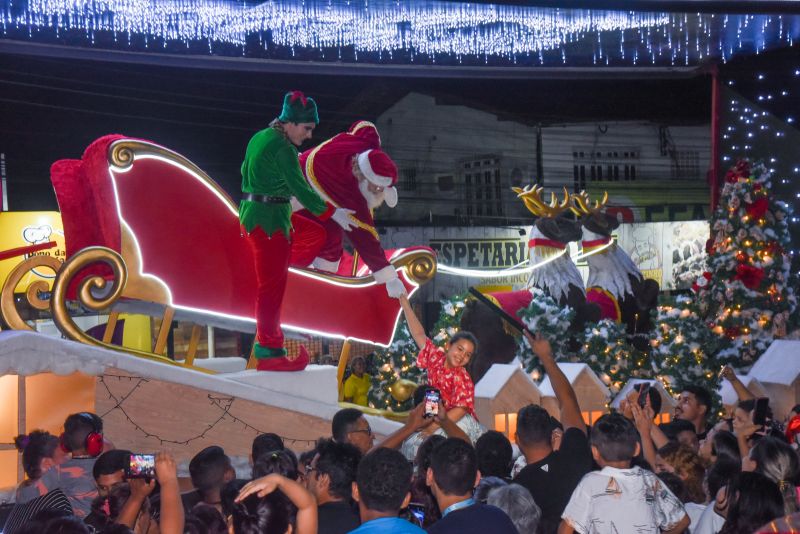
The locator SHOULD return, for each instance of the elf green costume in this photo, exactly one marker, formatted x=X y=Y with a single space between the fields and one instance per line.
x=271 y=175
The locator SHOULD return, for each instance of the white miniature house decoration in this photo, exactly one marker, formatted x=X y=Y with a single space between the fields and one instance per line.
x=501 y=393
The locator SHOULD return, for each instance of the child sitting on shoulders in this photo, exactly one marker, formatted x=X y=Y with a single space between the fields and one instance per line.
x=448 y=373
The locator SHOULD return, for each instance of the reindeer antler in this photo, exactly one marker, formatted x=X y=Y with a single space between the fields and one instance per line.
x=532 y=197
x=582 y=204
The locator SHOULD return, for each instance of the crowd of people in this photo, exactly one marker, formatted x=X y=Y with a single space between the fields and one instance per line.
x=438 y=473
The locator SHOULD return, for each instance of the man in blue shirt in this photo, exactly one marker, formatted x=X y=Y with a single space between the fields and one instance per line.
x=452 y=477
x=383 y=488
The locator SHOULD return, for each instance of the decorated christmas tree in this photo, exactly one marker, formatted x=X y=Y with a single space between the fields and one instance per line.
x=744 y=300
x=746 y=295
x=606 y=347
x=395 y=372
x=685 y=349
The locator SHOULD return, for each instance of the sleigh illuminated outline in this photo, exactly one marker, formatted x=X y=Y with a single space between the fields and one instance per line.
x=147 y=231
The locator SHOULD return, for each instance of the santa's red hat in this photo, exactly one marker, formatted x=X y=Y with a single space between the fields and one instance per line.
x=367 y=131
x=379 y=169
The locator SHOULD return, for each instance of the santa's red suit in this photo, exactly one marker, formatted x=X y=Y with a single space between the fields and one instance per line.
x=332 y=169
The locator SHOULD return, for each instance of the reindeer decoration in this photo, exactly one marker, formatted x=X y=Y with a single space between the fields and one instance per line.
x=556 y=274
x=615 y=283
x=547 y=243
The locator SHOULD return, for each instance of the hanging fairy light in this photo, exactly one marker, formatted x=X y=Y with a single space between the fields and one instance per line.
x=376 y=30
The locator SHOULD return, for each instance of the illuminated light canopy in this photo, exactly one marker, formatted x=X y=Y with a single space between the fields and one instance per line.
x=388 y=31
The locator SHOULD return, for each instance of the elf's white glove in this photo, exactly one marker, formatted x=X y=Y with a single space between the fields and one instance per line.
x=395 y=288
x=343 y=219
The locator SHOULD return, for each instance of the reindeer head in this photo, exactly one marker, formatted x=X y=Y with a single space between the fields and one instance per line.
x=592 y=216
x=549 y=222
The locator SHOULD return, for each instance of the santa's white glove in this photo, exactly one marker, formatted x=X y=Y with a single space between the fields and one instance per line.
x=343 y=219
x=396 y=289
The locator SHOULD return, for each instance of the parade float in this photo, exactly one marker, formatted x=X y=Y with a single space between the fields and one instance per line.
x=132 y=251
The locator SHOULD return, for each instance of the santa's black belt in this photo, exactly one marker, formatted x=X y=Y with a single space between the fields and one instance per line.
x=265 y=199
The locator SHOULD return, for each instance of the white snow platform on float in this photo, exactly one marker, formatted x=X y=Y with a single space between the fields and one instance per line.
x=176 y=404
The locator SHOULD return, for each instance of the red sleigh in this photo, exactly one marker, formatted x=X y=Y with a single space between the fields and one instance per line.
x=148 y=232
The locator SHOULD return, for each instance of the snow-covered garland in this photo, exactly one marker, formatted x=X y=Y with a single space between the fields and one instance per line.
x=604 y=346
x=449 y=320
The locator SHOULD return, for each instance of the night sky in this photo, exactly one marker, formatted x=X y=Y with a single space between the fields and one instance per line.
x=52 y=109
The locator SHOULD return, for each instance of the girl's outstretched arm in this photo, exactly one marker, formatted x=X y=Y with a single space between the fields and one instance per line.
x=414 y=326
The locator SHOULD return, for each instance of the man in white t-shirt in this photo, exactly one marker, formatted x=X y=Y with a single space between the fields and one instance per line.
x=621 y=498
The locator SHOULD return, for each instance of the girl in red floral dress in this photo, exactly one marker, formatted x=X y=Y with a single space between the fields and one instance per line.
x=448 y=373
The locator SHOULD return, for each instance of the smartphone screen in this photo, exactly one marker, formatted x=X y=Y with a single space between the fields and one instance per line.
x=141 y=466
x=431 y=403
x=644 y=390
x=418 y=511
x=760 y=411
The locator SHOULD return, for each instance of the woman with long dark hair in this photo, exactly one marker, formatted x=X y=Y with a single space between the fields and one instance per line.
x=753 y=500
x=778 y=461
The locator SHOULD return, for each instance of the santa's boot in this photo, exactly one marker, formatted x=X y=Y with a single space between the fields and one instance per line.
x=276 y=360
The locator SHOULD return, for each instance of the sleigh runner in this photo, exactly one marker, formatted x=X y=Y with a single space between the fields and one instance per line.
x=149 y=232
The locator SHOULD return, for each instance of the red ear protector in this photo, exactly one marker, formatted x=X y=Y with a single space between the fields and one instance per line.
x=94 y=440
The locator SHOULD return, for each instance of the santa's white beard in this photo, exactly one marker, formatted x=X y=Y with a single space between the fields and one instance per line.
x=374 y=200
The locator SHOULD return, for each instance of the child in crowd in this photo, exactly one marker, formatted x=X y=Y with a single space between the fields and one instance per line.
x=40 y=451
x=83 y=437
x=621 y=498
x=447 y=372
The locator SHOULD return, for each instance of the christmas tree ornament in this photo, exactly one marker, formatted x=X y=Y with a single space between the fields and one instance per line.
x=403 y=389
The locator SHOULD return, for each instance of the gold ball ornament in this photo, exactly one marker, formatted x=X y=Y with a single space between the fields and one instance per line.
x=403 y=389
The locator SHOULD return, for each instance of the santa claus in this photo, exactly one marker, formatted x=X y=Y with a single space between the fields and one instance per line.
x=351 y=171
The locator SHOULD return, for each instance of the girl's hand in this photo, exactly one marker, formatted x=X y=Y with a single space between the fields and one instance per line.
x=261 y=486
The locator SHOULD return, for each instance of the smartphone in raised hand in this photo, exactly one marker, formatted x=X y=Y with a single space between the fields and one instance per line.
x=432 y=398
x=644 y=391
x=141 y=466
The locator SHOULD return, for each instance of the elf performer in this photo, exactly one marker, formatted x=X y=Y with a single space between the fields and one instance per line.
x=271 y=175
x=351 y=171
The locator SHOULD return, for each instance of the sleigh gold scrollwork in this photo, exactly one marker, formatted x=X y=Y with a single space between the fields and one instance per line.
x=96 y=293
x=420 y=266
x=8 y=305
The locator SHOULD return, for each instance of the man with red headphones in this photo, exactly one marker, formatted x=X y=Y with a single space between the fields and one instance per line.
x=83 y=437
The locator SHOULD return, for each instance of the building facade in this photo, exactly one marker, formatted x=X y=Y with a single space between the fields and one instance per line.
x=457 y=164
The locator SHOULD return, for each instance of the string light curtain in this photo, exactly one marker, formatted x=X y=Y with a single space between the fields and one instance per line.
x=404 y=31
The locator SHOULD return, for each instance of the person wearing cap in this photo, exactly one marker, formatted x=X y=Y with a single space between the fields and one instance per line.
x=271 y=176
x=351 y=171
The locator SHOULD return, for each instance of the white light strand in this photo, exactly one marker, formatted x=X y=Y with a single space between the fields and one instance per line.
x=428 y=29
x=475 y=273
